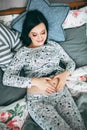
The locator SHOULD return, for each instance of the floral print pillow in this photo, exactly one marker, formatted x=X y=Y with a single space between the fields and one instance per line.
x=13 y=116
x=7 y=19
x=76 y=18
x=77 y=82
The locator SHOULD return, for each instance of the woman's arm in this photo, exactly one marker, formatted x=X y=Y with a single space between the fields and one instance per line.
x=12 y=76
x=66 y=59
x=70 y=66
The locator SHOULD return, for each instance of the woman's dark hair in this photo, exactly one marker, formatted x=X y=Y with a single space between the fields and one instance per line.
x=33 y=18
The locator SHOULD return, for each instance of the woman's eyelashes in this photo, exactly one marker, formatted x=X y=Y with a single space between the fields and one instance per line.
x=42 y=33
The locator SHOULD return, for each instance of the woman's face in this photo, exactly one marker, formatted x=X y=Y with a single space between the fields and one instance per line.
x=38 y=35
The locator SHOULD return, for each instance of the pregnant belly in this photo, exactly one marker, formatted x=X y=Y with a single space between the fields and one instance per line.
x=36 y=90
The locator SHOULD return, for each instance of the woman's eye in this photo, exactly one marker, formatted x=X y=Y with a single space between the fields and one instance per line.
x=34 y=35
x=43 y=33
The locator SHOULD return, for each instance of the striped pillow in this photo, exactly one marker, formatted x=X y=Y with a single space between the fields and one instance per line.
x=9 y=44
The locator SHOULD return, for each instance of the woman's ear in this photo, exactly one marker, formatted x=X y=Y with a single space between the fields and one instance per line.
x=29 y=35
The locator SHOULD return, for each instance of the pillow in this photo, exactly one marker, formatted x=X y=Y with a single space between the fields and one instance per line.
x=7 y=19
x=76 y=18
x=86 y=29
x=9 y=43
x=76 y=44
x=54 y=12
x=12 y=117
x=77 y=82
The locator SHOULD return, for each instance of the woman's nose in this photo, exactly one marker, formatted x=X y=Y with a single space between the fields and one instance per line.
x=39 y=37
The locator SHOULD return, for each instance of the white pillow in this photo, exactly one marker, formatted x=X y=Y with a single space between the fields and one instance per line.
x=75 y=18
x=7 y=19
x=77 y=82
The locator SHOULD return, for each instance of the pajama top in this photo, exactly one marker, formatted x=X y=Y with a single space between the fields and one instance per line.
x=41 y=61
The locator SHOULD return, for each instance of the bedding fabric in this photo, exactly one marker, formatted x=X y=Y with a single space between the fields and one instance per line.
x=30 y=124
x=12 y=117
x=76 y=18
x=77 y=81
x=7 y=19
x=55 y=14
x=76 y=44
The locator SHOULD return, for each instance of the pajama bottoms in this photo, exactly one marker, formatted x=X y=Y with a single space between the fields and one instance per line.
x=56 y=111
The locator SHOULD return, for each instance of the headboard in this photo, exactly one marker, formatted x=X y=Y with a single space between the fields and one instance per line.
x=73 y=5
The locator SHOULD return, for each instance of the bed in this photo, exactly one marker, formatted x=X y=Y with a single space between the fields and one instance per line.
x=14 y=114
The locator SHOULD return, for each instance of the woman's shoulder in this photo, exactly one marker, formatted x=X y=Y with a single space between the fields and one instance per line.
x=23 y=49
x=52 y=43
x=22 y=52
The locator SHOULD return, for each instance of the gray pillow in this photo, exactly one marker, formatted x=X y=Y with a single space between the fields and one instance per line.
x=76 y=44
x=9 y=94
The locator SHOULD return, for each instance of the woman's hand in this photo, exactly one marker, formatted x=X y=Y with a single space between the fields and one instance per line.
x=61 y=79
x=44 y=84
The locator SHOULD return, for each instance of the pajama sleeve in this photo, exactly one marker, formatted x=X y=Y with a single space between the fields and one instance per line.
x=12 y=74
x=65 y=59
